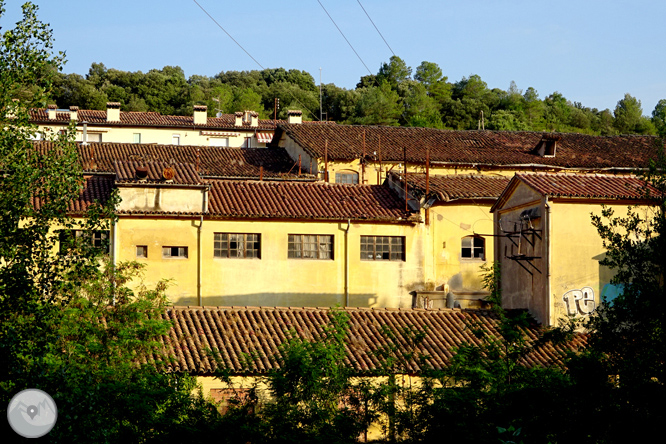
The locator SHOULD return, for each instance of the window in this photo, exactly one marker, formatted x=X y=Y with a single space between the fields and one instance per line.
x=175 y=139
x=239 y=245
x=98 y=239
x=310 y=246
x=383 y=248
x=137 y=137
x=346 y=177
x=174 y=252
x=219 y=141
x=142 y=251
x=94 y=137
x=473 y=247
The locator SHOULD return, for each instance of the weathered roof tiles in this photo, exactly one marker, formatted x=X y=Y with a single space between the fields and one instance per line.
x=247 y=339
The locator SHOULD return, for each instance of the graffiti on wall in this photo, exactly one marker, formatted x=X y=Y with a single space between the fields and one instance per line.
x=579 y=302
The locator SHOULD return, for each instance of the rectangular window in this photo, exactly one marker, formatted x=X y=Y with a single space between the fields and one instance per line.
x=238 y=245
x=310 y=246
x=94 y=137
x=175 y=139
x=346 y=178
x=383 y=248
x=137 y=137
x=98 y=239
x=219 y=141
x=174 y=252
x=473 y=247
x=142 y=251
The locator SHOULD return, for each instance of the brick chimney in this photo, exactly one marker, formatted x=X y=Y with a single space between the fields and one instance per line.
x=294 y=116
x=200 y=114
x=51 y=111
x=73 y=113
x=239 y=118
x=113 y=111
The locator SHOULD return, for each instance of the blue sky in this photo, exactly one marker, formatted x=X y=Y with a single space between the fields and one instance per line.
x=591 y=51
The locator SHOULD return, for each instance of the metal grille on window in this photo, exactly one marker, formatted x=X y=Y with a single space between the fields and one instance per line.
x=383 y=248
x=237 y=245
x=310 y=246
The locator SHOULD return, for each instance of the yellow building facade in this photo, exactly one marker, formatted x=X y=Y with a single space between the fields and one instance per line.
x=547 y=247
x=242 y=129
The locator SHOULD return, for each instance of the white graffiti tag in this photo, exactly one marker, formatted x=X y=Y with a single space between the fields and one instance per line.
x=579 y=302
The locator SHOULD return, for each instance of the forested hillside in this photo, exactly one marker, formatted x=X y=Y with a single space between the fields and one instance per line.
x=396 y=95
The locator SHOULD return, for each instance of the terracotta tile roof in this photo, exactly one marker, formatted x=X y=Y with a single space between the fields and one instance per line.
x=304 y=200
x=211 y=161
x=95 y=189
x=586 y=186
x=492 y=148
x=150 y=119
x=183 y=173
x=247 y=339
x=452 y=187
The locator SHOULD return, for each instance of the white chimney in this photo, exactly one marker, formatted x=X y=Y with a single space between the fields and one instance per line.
x=294 y=116
x=51 y=111
x=254 y=119
x=113 y=111
x=239 y=118
x=200 y=114
x=73 y=113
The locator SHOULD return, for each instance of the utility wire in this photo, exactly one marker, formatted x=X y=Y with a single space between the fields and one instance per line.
x=373 y=24
x=225 y=31
x=343 y=35
x=250 y=55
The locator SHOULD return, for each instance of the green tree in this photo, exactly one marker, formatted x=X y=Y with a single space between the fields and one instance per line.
x=627 y=336
x=396 y=73
x=67 y=324
x=378 y=105
x=628 y=114
x=659 y=117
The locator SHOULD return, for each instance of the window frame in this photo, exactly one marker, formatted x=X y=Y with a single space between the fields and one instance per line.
x=321 y=240
x=218 y=251
x=473 y=248
x=99 y=239
x=136 y=137
x=144 y=249
x=353 y=174
x=389 y=241
x=180 y=248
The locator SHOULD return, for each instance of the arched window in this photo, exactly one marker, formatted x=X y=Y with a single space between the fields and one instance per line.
x=473 y=247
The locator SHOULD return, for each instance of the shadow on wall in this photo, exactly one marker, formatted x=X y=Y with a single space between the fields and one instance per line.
x=283 y=300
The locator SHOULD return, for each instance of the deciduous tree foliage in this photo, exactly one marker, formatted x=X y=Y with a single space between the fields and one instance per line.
x=67 y=324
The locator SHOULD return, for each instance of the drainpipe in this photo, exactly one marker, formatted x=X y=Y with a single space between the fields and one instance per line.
x=550 y=255
x=199 y=252
x=114 y=255
x=347 y=263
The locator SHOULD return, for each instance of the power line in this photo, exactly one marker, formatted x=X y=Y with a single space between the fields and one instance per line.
x=343 y=35
x=250 y=55
x=225 y=31
x=373 y=24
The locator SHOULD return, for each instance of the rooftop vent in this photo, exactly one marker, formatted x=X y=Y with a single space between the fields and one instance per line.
x=168 y=173
x=141 y=172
